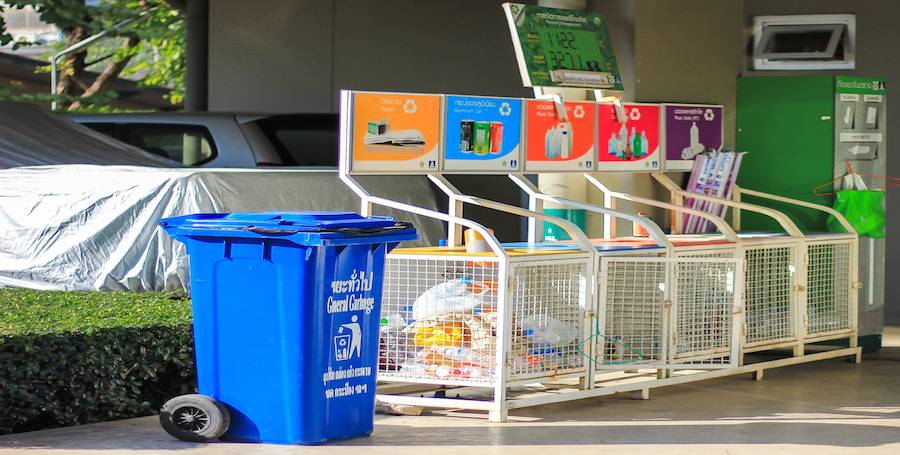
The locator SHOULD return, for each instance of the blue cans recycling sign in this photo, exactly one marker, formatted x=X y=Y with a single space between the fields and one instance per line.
x=482 y=134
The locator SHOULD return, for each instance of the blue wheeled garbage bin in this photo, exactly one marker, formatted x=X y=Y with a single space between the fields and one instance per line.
x=286 y=324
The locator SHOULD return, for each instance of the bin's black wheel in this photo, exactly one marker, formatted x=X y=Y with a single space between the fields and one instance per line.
x=195 y=418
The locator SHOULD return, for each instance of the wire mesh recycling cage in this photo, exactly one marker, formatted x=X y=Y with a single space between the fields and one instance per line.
x=772 y=297
x=447 y=316
x=772 y=284
x=831 y=297
x=505 y=326
x=796 y=290
x=667 y=313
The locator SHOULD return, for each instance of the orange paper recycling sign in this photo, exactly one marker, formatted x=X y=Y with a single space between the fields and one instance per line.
x=396 y=132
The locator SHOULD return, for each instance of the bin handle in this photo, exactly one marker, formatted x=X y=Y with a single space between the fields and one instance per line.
x=398 y=226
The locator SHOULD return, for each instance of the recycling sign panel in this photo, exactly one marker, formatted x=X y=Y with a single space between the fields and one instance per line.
x=630 y=143
x=395 y=133
x=556 y=145
x=690 y=129
x=482 y=134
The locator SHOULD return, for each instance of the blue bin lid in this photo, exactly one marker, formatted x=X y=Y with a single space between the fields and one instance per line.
x=306 y=228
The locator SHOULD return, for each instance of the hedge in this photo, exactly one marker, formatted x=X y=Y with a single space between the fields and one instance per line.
x=69 y=358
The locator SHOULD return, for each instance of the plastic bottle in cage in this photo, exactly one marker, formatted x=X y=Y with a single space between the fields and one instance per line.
x=392 y=347
x=541 y=353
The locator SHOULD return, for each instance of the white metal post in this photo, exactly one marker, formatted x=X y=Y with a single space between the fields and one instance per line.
x=500 y=411
x=666 y=352
x=800 y=257
x=599 y=344
x=738 y=314
x=454 y=230
x=535 y=205
x=854 y=293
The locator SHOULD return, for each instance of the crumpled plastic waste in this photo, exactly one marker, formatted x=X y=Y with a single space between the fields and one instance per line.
x=460 y=295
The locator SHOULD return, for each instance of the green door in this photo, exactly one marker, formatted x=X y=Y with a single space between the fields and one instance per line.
x=786 y=125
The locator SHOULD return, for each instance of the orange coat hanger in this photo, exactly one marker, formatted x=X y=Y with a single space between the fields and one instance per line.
x=895 y=181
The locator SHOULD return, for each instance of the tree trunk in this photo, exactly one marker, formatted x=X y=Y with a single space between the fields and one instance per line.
x=108 y=75
x=72 y=66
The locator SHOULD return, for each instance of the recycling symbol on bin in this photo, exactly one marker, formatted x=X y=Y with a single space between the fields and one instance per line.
x=709 y=115
x=505 y=109
x=635 y=114
x=410 y=107
x=578 y=112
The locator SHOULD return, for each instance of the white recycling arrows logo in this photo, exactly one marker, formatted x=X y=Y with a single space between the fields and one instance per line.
x=709 y=115
x=410 y=107
x=635 y=114
x=578 y=112
x=505 y=109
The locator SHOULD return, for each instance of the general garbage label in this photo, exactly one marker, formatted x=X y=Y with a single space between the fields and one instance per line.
x=351 y=306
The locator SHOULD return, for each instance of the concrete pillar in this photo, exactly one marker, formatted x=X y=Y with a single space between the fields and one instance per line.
x=572 y=186
x=196 y=79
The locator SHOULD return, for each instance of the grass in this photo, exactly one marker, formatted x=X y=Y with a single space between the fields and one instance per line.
x=28 y=312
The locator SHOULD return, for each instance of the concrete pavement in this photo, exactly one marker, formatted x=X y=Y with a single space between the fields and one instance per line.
x=820 y=408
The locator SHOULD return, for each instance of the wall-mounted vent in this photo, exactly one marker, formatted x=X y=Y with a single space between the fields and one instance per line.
x=807 y=42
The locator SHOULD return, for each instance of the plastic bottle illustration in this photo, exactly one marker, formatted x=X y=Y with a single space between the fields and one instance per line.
x=695 y=147
x=623 y=142
x=631 y=144
x=551 y=141
x=613 y=145
x=565 y=140
x=645 y=144
x=695 y=135
x=636 y=150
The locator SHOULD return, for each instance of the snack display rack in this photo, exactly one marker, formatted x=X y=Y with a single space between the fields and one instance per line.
x=524 y=324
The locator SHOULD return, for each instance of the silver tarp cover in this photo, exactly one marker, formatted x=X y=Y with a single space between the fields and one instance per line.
x=87 y=227
x=25 y=140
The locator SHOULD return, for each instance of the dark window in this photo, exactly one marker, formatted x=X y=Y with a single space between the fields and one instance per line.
x=303 y=139
x=190 y=145
x=102 y=128
x=792 y=42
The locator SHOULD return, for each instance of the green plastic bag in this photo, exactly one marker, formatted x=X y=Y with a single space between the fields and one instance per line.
x=864 y=209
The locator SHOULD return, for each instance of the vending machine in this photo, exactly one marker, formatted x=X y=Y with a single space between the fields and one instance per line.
x=800 y=132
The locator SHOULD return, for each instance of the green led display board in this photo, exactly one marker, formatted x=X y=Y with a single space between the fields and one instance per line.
x=561 y=47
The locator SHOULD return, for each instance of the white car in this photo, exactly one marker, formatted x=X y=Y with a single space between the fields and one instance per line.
x=226 y=139
x=299 y=140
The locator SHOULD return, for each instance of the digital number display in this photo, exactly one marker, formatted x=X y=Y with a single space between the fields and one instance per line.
x=570 y=49
x=561 y=47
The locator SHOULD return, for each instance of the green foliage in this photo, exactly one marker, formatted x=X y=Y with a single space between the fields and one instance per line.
x=26 y=311
x=161 y=52
x=99 y=102
x=151 y=48
x=79 y=357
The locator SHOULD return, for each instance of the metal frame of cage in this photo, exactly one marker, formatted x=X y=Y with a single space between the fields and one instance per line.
x=831 y=275
x=528 y=279
x=669 y=313
x=720 y=356
x=678 y=256
x=510 y=377
x=777 y=273
x=680 y=272
x=824 y=284
x=509 y=270
x=507 y=267
x=525 y=295
x=831 y=288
